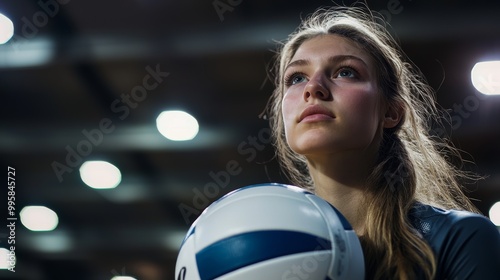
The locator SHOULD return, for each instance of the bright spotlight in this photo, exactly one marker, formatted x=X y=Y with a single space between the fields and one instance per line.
x=6 y=29
x=100 y=174
x=38 y=218
x=123 y=278
x=495 y=213
x=486 y=77
x=177 y=125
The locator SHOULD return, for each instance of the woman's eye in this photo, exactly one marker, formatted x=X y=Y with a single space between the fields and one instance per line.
x=346 y=73
x=297 y=79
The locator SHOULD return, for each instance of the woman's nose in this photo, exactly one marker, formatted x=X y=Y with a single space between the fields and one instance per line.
x=315 y=88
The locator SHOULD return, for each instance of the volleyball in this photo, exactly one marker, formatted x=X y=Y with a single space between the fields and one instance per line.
x=270 y=231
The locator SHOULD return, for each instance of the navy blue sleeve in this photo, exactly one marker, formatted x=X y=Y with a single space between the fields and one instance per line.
x=471 y=249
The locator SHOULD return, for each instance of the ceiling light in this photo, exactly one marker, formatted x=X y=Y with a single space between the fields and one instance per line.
x=100 y=174
x=486 y=77
x=177 y=125
x=6 y=29
x=495 y=213
x=38 y=218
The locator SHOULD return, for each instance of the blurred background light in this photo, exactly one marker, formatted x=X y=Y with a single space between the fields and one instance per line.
x=27 y=53
x=100 y=174
x=173 y=241
x=5 y=263
x=495 y=213
x=39 y=218
x=6 y=29
x=177 y=125
x=123 y=278
x=486 y=77
x=57 y=241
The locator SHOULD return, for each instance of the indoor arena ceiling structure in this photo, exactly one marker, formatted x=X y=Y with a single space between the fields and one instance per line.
x=86 y=80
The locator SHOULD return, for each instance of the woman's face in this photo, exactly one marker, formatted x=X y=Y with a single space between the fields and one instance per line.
x=331 y=102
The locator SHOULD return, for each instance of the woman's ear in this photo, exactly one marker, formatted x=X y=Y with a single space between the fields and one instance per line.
x=393 y=115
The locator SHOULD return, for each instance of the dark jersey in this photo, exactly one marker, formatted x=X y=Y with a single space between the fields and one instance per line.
x=466 y=245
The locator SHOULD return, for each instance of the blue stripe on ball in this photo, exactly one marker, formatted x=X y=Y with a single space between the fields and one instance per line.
x=248 y=248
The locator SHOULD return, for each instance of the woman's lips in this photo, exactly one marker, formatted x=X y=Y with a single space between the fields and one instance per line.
x=315 y=113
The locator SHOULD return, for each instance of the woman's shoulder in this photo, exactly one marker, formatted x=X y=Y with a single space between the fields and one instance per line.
x=422 y=213
x=465 y=243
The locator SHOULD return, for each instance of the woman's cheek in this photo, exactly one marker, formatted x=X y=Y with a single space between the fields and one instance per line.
x=288 y=105
x=288 y=108
x=286 y=112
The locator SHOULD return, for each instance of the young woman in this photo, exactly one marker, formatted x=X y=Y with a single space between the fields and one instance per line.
x=352 y=122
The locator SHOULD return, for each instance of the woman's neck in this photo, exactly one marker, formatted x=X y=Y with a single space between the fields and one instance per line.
x=341 y=180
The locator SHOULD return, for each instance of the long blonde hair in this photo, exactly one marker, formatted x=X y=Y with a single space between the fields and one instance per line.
x=412 y=163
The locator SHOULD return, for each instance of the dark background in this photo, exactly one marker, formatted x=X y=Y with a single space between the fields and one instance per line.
x=93 y=51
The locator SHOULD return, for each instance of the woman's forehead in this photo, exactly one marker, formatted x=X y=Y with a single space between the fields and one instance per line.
x=329 y=45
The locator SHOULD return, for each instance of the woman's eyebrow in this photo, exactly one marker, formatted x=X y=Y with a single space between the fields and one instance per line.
x=333 y=59
x=298 y=62
x=339 y=58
